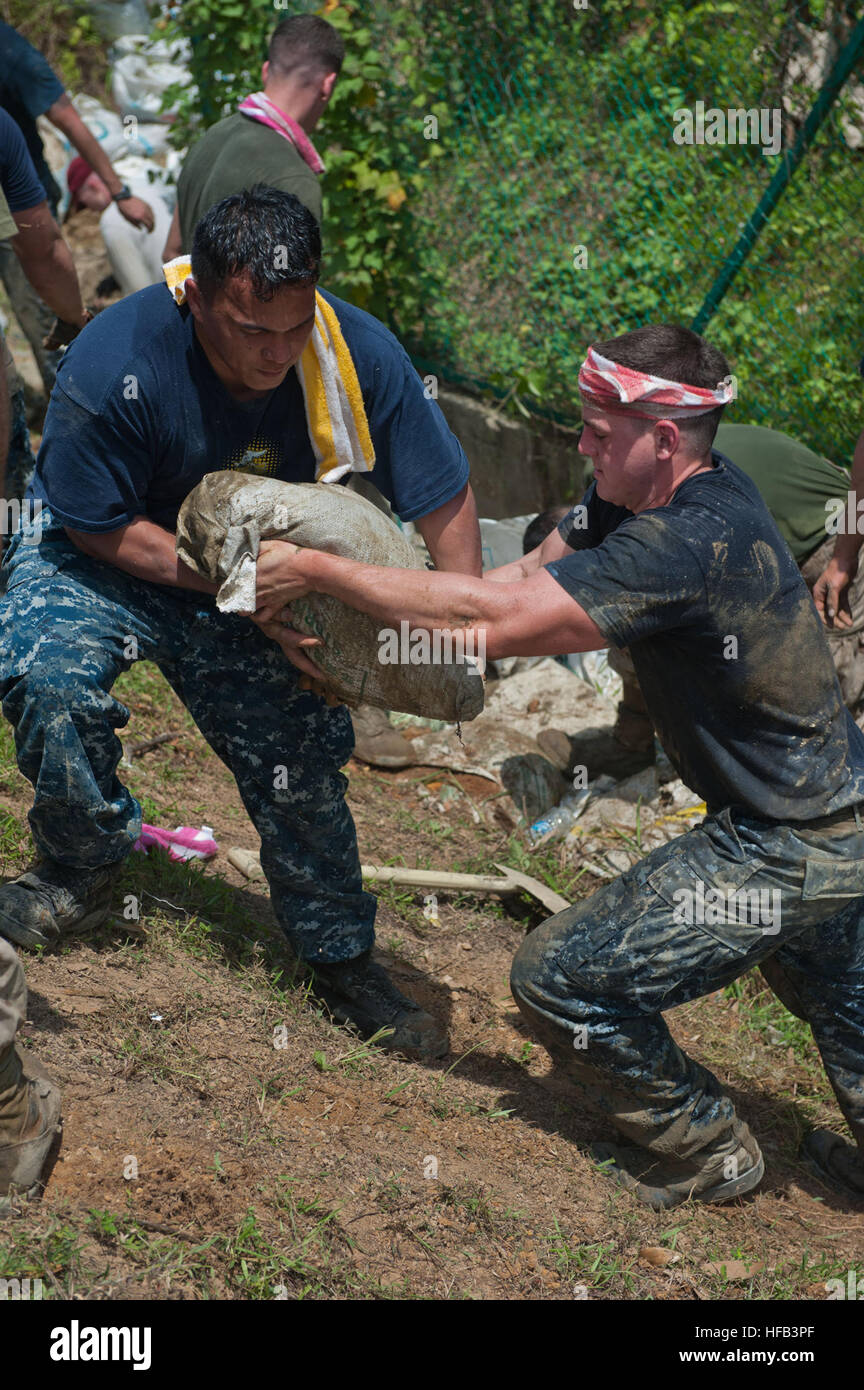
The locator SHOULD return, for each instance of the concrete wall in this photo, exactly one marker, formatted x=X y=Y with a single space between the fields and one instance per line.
x=516 y=469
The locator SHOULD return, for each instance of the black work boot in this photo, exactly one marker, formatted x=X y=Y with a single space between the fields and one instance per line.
x=361 y=993
x=29 y=1122
x=840 y=1163
x=50 y=901
x=728 y=1168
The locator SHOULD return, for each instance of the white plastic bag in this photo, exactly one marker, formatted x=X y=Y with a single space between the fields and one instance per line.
x=104 y=124
x=143 y=70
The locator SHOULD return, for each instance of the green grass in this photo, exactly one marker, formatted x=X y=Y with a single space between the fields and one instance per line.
x=598 y=1265
x=290 y=1249
x=761 y=1012
x=53 y=1255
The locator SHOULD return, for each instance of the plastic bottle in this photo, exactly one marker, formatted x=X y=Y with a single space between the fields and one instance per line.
x=555 y=823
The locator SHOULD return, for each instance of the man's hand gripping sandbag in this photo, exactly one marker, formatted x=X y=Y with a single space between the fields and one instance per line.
x=219 y=531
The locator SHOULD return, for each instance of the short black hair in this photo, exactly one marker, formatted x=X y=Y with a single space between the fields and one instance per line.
x=263 y=231
x=678 y=354
x=537 y=530
x=306 y=41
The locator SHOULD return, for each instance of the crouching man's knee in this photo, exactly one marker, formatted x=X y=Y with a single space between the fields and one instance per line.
x=544 y=995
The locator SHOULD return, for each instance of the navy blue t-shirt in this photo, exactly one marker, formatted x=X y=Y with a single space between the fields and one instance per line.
x=28 y=86
x=18 y=179
x=138 y=416
x=729 y=650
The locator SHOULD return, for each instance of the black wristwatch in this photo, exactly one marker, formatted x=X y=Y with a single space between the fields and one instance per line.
x=122 y=194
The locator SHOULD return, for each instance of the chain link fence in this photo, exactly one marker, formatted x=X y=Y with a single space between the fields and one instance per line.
x=596 y=167
x=605 y=167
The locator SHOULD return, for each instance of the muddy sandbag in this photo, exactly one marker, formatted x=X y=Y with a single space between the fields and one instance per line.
x=219 y=530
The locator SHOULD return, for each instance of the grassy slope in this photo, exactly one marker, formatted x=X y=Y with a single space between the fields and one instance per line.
x=277 y=1157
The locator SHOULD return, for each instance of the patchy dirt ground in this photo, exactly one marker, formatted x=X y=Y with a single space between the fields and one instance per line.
x=223 y=1139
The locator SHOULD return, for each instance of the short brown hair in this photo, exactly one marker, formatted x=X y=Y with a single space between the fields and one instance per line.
x=678 y=354
x=306 y=41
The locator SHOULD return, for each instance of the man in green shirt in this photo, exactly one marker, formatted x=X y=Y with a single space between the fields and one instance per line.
x=794 y=482
x=267 y=139
x=802 y=491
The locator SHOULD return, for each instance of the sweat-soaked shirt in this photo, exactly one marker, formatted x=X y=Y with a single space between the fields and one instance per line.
x=728 y=647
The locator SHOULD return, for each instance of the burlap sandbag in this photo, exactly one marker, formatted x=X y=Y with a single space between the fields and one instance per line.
x=219 y=529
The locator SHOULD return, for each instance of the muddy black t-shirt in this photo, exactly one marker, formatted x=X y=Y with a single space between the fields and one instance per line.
x=728 y=647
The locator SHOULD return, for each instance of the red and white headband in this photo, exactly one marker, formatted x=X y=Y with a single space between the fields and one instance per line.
x=609 y=386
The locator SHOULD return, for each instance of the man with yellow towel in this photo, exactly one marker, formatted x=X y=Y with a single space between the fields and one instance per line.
x=254 y=370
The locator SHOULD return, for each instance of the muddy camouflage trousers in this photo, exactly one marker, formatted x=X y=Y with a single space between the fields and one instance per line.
x=13 y=994
x=69 y=625
x=593 y=981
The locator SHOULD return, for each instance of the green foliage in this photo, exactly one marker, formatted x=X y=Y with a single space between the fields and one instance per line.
x=554 y=133
x=66 y=37
x=371 y=138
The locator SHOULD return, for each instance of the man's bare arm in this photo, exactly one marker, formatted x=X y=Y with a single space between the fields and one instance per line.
x=63 y=115
x=47 y=262
x=452 y=534
x=533 y=618
x=144 y=550
x=174 y=244
x=551 y=548
x=831 y=590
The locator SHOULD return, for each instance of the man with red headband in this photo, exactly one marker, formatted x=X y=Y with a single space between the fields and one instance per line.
x=673 y=554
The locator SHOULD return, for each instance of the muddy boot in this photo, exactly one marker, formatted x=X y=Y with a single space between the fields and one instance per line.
x=840 y=1163
x=597 y=750
x=633 y=729
x=361 y=993
x=50 y=901
x=729 y=1167
x=377 y=742
x=555 y=745
x=29 y=1122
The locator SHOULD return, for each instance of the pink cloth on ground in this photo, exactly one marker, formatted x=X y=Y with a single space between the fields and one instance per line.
x=183 y=843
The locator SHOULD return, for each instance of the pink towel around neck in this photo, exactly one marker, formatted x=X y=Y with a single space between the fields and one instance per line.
x=262 y=109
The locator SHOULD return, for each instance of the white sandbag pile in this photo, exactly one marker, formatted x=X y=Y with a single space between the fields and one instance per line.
x=142 y=70
x=219 y=530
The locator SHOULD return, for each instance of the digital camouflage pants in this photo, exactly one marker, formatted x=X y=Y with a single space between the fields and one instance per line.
x=595 y=980
x=13 y=995
x=69 y=625
x=20 y=461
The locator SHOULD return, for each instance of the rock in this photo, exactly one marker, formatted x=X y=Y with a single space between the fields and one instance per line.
x=680 y=795
x=610 y=810
x=658 y=1256
x=642 y=784
x=619 y=860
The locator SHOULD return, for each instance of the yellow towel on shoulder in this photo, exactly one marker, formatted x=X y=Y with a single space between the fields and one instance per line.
x=335 y=413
